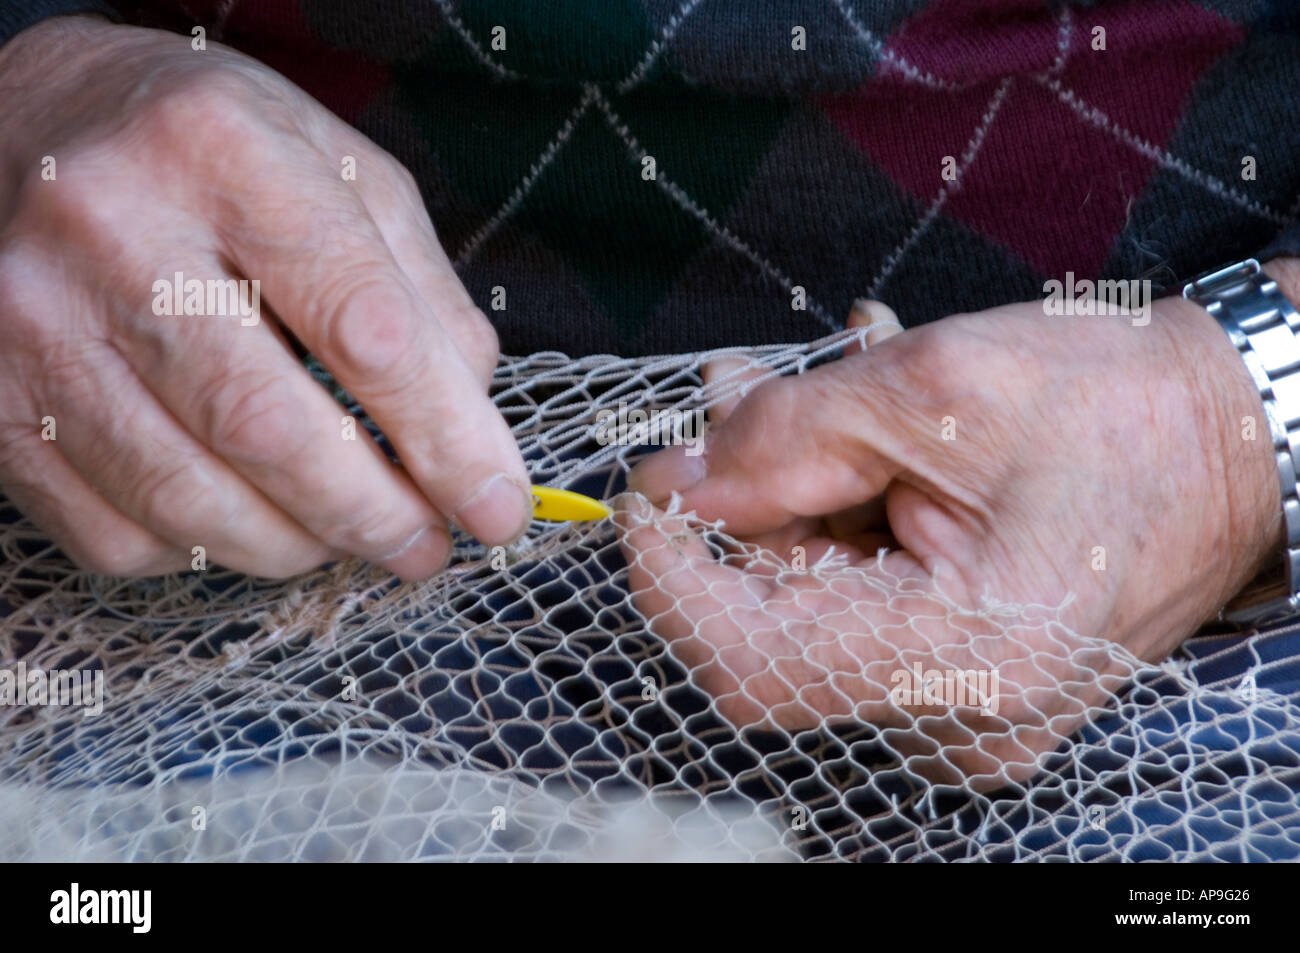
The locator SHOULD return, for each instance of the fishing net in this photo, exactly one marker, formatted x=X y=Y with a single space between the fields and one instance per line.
x=641 y=687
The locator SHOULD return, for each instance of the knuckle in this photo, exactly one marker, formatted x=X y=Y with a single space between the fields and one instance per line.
x=372 y=532
x=200 y=109
x=20 y=312
x=393 y=177
x=254 y=421
x=295 y=564
x=933 y=372
x=775 y=403
x=479 y=344
x=206 y=119
x=369 y=329
x=942 y=355
x=89 y=208
x=71 y=204
x=409 y=181
x=68 y=372
x=404 y=181
x=117 y=558
x=182 y=499
x=289 y=558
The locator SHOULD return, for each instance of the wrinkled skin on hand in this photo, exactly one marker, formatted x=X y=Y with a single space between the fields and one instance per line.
x=177 y=431
x=1070 y=434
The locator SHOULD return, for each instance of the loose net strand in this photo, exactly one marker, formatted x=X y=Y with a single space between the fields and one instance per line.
x=642 y=687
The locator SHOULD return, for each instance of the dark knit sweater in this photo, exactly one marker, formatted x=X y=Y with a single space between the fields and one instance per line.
x=779 y=170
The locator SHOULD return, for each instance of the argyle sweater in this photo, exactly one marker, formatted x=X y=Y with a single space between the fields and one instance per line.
x=644 y=176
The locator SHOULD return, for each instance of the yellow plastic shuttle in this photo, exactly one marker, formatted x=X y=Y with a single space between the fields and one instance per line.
x=561 y=506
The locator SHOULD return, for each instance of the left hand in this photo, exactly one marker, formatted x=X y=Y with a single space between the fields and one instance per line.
x=1086 y=456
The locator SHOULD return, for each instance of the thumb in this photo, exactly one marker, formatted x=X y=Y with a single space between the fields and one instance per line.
x=796 y=446
x=879 y=320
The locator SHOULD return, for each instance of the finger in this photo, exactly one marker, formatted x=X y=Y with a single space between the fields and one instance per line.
x=864 y=524
x=677 y=579
x=835 y=645
x=136 y=455
x=716 y=619
x=801 y=546
x=796 y=446
x=852 y=528
x=729 y=372
x=768 y=646
x=393 y=200
x=77 y=519
x=730 y=375
x=352 y=305
x=880 y=320
x=791 y=541
x=254 y=405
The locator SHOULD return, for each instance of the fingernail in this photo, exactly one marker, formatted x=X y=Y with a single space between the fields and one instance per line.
x=877 y=316
x=668 y=471
x=420 y=556
x=499 y=511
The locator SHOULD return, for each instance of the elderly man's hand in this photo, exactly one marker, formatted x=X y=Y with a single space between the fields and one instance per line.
x=129 y=157
x=1004 y=455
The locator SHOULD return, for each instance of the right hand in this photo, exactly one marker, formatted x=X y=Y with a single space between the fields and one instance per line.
x=1095 y=502
x=179 y=431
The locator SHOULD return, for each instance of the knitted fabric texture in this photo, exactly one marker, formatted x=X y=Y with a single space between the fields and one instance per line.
x=800 y=148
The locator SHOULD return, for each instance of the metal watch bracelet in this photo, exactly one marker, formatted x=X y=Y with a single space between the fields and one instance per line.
x=1263 y=325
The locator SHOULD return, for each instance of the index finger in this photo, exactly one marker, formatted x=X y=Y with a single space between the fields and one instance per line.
x=340 y=290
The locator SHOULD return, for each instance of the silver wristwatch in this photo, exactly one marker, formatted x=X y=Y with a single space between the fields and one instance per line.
x=1263 y=325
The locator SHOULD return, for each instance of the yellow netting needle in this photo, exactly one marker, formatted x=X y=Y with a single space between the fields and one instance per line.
x=560 y=506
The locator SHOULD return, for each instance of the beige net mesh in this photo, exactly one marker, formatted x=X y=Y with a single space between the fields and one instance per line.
x=646 y=686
